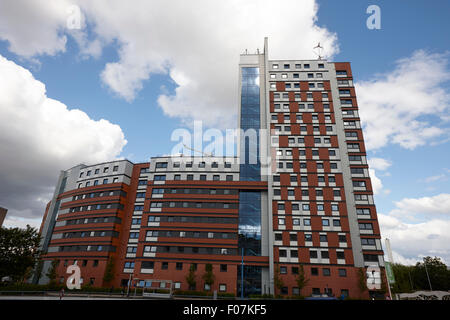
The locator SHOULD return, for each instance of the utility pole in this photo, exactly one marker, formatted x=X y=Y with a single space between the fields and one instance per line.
x=428 y=276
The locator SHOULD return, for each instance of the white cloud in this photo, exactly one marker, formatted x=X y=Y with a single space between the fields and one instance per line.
x=34 y=27
x=197 y=46
x=435 y=206
x=414 y=89
x=379 y=163
x=40 y=136
x=377 y=185
x=436 y=178
x=411 y=242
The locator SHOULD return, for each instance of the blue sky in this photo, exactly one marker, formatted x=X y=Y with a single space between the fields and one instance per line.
x=413 y=193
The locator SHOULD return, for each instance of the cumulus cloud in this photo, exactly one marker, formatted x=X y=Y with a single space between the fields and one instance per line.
x=418 y=227
x=411 y=92
x=379 y=163
x=435 y=206
x=34 y=27
x=410 y=242
x=197 y=46
x=40 y=136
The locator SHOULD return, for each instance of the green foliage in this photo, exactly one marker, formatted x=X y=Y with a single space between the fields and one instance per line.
x=109 y=271
x=51 y=273
x=362 y=281
x=414 y=278
x=190 y=278
x=19 y=251
x=277 y=281
x=208 y=276
x=301 y=279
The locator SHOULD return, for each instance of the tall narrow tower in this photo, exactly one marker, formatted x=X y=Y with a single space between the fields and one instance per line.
x=318 y=215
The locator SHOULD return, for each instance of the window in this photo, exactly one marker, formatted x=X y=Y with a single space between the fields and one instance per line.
x=164 y=265
x=222 y=287
x=359 y=184
x=365 y=226
x=105 y=169
x=161 y=177
x=313 y=254
x=286 y=66
x=324 y=254
x=96 y=171
x=115 y=180
x=325 y=222
x=223 y=268
x=283 y=270
x=116 y=168
x=160 y=165
x=367 y=241
x=307 y=222
x=308 y=237
x=275 y=66
x=340 y=255
x=342 y=272
x=105 y=181
x=179 y=266
x=229 y=177
x=362 y=211
x=326 y=272
x=216 y=177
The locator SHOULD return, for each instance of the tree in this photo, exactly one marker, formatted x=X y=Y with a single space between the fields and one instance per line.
x=109 y=272
x=190 y=278
x=437 y=271
x=362 y=281
x=208 y=276
x=301 y=279
x=277 y=281
x=51 y=273
x=403 y=278
x=19 y=250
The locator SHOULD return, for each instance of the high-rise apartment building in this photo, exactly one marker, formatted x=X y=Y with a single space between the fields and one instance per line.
x=297 y=199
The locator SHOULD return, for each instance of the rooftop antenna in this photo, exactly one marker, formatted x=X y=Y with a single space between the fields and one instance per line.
x=203 y=153
x=318 y=50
